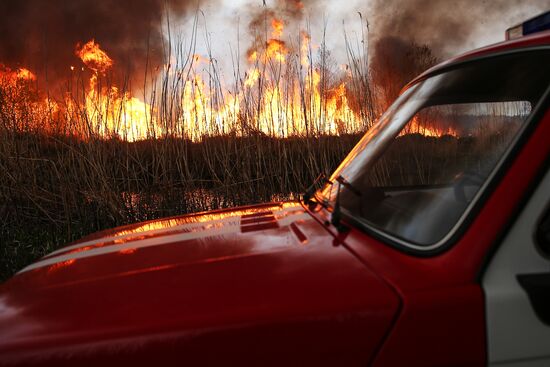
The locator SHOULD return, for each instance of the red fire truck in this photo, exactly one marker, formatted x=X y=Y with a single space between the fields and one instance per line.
x=428 y=246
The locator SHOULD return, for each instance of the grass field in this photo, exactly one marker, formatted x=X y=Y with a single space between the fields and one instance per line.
x=54 y=189
x=91 y=155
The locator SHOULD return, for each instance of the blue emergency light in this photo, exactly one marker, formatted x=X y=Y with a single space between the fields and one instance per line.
x=534 y=25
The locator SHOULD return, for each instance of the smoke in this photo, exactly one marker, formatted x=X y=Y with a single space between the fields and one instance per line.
x=269 y=20
x=394 y=63
x=448 y=26
x=408 y=37
x=42 y=34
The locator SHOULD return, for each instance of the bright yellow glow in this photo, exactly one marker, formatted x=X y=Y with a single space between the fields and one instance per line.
x=94 y=57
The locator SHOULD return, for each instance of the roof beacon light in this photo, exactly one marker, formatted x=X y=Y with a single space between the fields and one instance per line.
x=534 y=25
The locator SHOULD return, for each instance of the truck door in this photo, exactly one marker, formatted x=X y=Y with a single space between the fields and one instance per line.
x=517 y=288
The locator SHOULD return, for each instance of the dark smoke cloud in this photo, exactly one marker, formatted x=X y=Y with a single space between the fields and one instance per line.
x=409 y=36
x=294 y=8
x=446 y=25
x=42 y=34
x=290 y=12
x=394 y=63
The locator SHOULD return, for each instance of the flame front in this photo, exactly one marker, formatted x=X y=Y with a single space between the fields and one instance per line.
x=94 y=57
x=108 y=111
x=12 y=77
x=278 y=27
x=282 y=93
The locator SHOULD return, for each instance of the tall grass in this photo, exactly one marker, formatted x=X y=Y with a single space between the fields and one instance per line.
x=67 y=169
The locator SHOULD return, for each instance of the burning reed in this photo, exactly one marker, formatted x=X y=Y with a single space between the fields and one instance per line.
x=95 y=156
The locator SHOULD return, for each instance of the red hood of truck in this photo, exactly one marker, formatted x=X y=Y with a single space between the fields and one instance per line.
x=268 y=275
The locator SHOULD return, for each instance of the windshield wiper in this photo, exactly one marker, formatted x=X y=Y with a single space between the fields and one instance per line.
x=336 y=217
x=348 y=185
x=310 y=191
x=336 y=211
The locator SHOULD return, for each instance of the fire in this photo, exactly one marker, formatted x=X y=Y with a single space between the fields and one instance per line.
x=428 y=130
x=304 y=48
x=94 y=57
x=111 y=112
x=283 y=92
x=252 y=77
x=301 y=105
x=276 y=50
x=12 y=77
x=61 y=265
x=25 y=74
x=278 y=27
x=252 y=56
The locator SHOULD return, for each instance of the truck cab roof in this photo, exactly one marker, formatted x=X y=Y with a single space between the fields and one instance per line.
x=541 y=39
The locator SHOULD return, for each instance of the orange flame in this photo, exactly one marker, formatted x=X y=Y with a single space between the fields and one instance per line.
x=283 y=93
x=61 y=265
x=25 y=74
x=12 y=77
x=252 y=77
x=94 y=57
x=110 y=112
x=416 y=127
x=276 y=50
x=278 y=27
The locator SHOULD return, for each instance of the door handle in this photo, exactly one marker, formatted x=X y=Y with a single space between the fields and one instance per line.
x=537 y=287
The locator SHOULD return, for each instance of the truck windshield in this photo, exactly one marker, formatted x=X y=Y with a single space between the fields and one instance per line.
x=427 y=159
